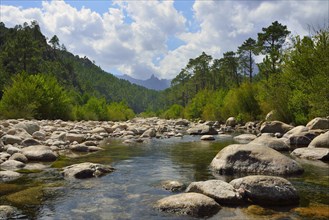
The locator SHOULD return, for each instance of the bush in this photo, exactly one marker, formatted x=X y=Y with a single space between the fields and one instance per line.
x=174 y=112
x=35 y=96
x=119 y=112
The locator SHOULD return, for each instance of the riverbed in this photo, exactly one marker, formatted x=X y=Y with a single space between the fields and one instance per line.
x=132 y=189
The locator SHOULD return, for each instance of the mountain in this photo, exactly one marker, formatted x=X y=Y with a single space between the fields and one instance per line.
x=152 y=83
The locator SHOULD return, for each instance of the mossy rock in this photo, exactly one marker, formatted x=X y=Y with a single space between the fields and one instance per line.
x=7 y=188
x=314 y=211
x=258 y=210
x=30 y=196
x=28 y=171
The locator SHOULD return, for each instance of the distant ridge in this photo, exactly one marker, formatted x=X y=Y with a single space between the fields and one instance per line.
x=152 y=83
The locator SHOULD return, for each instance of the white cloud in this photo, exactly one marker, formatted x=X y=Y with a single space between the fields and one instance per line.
x=132 y=35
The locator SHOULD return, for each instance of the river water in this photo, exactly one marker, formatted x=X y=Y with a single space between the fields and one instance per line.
x=132 y=189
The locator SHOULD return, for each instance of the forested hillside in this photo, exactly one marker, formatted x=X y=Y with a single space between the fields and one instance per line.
x=27 y=57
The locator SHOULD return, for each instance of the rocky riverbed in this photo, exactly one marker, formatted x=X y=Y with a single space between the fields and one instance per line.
x=28 y=146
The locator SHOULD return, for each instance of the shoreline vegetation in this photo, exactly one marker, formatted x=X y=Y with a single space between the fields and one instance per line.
x=40 y=79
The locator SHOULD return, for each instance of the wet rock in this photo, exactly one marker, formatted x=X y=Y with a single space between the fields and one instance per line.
x=253 y=158
x=222 y=192
x=244 y=138
x=8 y=175
x=271 y=142
x=318 y=123
x=192 y=204
x=173 y=186
x=320 y=141
x=39 y=153
x=19 y=157
x=314 y=211
x=86 y=170
x=7 y=212
x=11 y=139
x=274 y=127
x=207 y=138
x=30 y=196
x=267 y=190
x=12 y=165
x=75 y=137
x=312 y=153
x=202 y=130
x=29 y=126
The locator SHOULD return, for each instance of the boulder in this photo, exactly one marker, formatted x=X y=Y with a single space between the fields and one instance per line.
x=244 y=138
x=12 y=165
x=320 y=141
x=39 y=153
x=149 y=133
x=302 y=139
x=98 y=130
x=222 y=192
x=231 y=122
x=267 y=190
x=86 y=170
x=312 y=153
x=8 y=212
x=207 y=138
x=11 y=150
x=11 y=139
x=202 y=130
x=182 y=122
x=29 y=126
x=254 y=158
x=271 y=142
x=30 y=142
x=19 y=157
x=173 y=186
x=39 y=135
x=318 y=123
x=8 y=175
x=274 y=127
x=71 y=137
x=192 y=204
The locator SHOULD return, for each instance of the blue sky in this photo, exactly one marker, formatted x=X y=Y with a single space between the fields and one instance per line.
x=141 y=38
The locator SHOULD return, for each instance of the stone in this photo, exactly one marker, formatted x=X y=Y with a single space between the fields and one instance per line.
x=320 y=141
x=79 y=148
x=173 y=186
x=182 y=122
x=302 y=139
x=19 y=157
x=39 y=153
x=11 y=139
x=222 y=192
x=39 y=135
x=253 y=158
x=267 y=190
x=312 y=153
x=9 y=175
x=12 y=165
x=202 y=130
x=7 y=212
x=244 y=138
x=98 y=130
x=318 y=123
x=192 y=204
x=149 y=133
x=75 y=137
x=29 y=126
x=231 y=122
x=11 y=150
x=207 y=138
x=271 y=142
x=274 y=127
x=86 y=170
x=30 y=142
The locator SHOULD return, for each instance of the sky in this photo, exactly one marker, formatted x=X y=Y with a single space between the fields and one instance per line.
x=141 y=38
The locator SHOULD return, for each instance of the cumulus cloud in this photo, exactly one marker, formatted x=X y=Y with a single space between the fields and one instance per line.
x=132 y=36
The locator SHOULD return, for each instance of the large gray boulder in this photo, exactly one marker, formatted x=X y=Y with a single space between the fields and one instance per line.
x=202 y=130
x=29 y=126
x=8 y=175
x=192 y=204
x=86 y=170
x=271 y=142
x=318 y=123
x=11 y=139
x=312 y=153
x=275 y=127
x=222 y=192
x=39 y=153
x=254 y=158
x=267 y=190
x=320 y=141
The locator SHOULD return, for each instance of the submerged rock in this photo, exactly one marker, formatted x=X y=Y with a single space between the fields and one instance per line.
x=267 y=190
x=250 y=158
x=192 y=204
x=86 y=170
x=222 y=192
x=173 y=186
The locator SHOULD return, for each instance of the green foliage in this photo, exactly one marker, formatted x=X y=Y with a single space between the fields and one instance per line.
x=119 y=112
x=35 y=96
x=175 y=111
